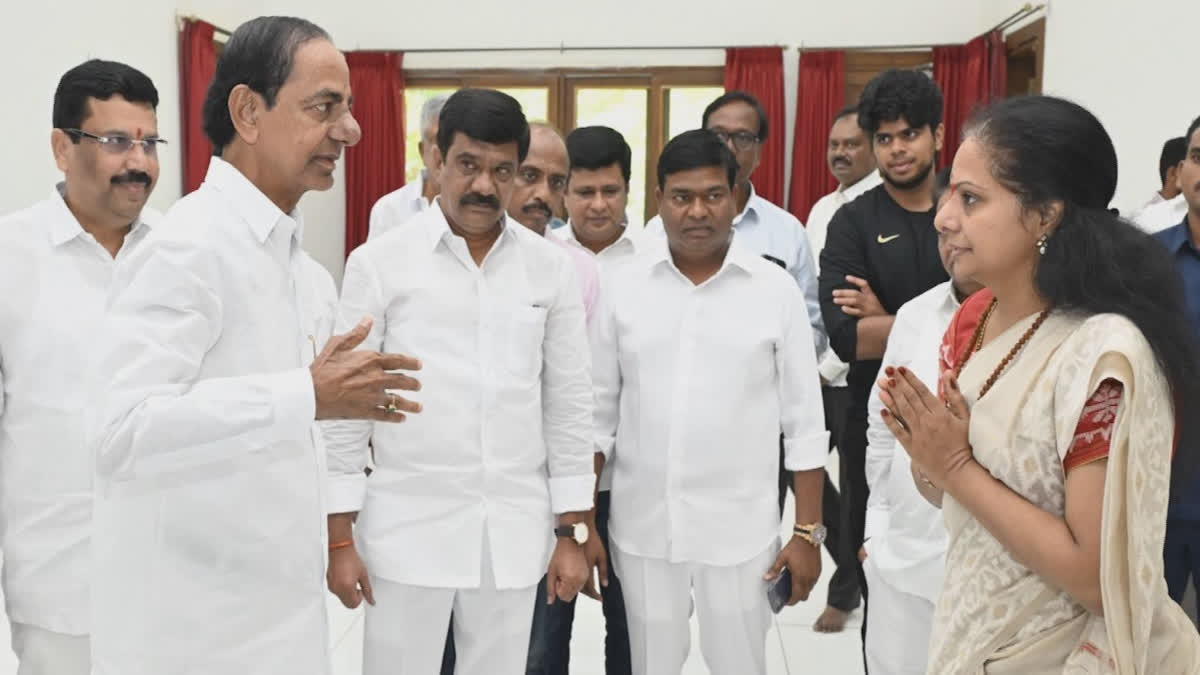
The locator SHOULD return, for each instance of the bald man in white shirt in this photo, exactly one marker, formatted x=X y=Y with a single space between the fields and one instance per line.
x=210 y=542
x=57 y=260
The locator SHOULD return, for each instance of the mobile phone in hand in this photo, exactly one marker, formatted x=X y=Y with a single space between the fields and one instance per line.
x=780 y=591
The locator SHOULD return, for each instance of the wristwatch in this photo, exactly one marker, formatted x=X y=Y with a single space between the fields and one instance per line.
x=578 y=532
x=813 y=533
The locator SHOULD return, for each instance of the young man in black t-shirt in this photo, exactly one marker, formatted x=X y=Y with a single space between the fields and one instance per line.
x=881 y=251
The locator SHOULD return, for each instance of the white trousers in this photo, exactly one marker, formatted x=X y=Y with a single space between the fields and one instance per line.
x=730 y=603
x=898 y=627
x=44 y=652
x=405 y=631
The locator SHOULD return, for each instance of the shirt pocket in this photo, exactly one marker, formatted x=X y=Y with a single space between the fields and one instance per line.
x=526 y=329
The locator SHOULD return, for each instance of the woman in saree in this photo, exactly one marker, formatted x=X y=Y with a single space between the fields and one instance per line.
x=1050 y=447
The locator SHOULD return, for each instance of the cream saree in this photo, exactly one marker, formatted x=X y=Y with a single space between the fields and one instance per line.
x=997 y=616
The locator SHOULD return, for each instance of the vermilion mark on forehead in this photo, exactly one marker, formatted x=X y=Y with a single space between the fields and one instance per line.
x=139 y=133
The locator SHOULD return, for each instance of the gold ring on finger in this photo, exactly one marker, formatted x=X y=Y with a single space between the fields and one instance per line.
x=391 y=406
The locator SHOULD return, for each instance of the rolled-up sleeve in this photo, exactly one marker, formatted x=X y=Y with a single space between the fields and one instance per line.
x=802 y=413
x=842 y=255
x=347 y=441
x=156 y=416
x=567 y=402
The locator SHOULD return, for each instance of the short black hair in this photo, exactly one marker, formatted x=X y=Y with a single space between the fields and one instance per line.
x=1192 y=130
x=599 y=147
x=260 y=55
x=696 y=149
x=845 y=112
x=736 y=97
x=1173 y=152
x=895 y=94
x=485 y=115
x=100 y=80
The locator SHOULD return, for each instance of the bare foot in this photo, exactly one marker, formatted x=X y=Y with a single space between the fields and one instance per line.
x=832 y=620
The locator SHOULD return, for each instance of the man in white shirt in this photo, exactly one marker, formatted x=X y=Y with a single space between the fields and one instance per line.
x=853 y=165
x=56 y=264
x=1169 y=162
x=1162 y=215
x=596 y=199
x=537 y=194
x=400 y=206
x=763 y=228
x=702 y=354
x=209 y=521
x=904 y=552
x=459 y=514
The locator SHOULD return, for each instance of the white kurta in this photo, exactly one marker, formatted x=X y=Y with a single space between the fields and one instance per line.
x=503 y=441
x=209 y=526
x=55 y=279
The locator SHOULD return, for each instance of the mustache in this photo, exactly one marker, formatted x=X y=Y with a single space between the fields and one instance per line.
x=841 y=160
x=132 y=177
x=537 y=205
x=476 y=199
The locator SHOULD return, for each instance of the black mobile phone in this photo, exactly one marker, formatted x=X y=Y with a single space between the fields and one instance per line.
x=780 y=591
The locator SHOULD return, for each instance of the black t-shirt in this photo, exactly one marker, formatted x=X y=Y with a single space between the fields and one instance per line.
x=895 y=250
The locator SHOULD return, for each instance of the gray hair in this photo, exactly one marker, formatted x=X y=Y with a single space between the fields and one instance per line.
x=431 y=110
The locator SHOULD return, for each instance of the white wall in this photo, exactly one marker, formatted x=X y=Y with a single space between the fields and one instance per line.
x=1132 y=65
x=45 y=39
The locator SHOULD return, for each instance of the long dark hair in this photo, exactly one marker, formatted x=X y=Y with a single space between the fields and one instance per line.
x=1047 y=150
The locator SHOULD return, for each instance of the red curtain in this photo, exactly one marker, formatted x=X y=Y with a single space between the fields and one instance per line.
x=375 y=166
x=820 y=95
x=197 y=65
x=759 y=71
x=970 y=75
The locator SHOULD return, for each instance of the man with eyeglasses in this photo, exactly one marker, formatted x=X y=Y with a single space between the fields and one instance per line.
x=56 y=263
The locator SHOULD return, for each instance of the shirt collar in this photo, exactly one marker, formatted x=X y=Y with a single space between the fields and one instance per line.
x=259 y=212
x=626 y=238
x=737 y=256
x=751 y=212
x=1176 y=236
x=865 y=183
x=64 y=226
x=437 y=227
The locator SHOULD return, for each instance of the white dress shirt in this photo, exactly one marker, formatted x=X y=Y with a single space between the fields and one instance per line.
x=210 y=519
x=833 y=369
x=694 y=385
x=1156 y=198
x=766 y=229
x=609 y=260
x=1160 y=216
x=907 y=537
x=55 y=278
x=503 y=439
x=398 y=207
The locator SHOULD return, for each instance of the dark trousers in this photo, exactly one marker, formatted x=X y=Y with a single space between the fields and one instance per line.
x=852 y=454
x=1181 y=556
x=550 y=637
x=843 y=585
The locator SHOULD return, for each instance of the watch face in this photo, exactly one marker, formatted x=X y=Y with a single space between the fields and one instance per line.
x=818 y=534
x=581 y=533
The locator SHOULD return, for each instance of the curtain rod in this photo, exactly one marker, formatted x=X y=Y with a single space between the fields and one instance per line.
x=216 y=29
x=1016 y=17
x=571 y=48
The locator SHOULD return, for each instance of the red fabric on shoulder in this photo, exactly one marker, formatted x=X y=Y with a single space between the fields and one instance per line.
x=957 y=339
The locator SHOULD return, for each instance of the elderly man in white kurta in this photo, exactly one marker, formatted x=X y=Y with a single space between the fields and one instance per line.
x=459 y=513
x=209 y=523
x=56 y=264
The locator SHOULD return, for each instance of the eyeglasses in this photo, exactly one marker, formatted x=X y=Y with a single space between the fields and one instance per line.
x=742 y=140
x=119 y=144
